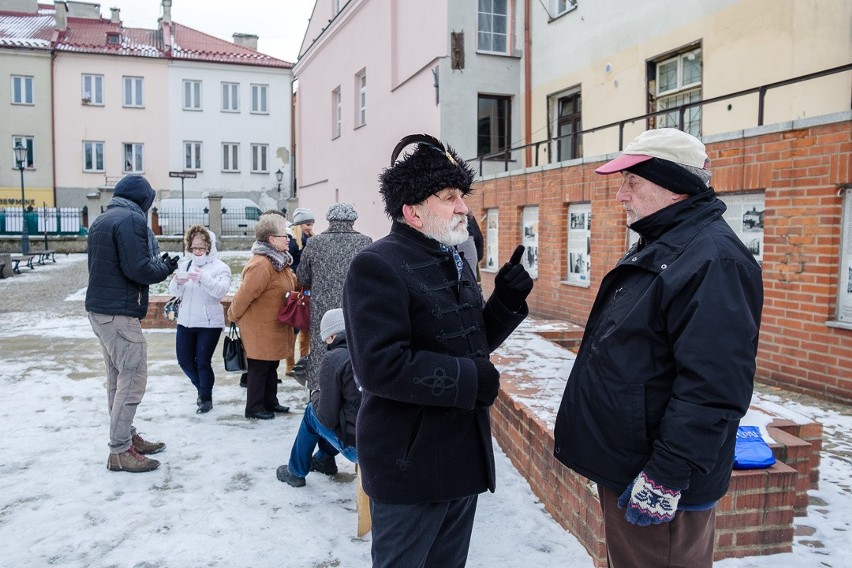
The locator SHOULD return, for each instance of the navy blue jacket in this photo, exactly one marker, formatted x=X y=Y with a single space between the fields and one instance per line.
x=339 y=397
x=122 y=253
x=666 y=367
x=413 y=328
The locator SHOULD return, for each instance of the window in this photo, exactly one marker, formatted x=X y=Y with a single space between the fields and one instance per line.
x=22 y=90
x=259 y=153
x=230 y=97
x=559 y=7
x=93 y=156
x=192 y=95
x=336 y=113
x=493 y=128
x=568 y=113
x=192 y=156
x=493 y=26
x=529 y=238
x=335 y=7
x=259 y=97
x=361 y=103
x=230 y=157
x=677 y=81
x=133 y=158
x=492 y=239
x=133 y=92
x=93 y=90
x=579 y=243
x=844 y=295
x=26 y=142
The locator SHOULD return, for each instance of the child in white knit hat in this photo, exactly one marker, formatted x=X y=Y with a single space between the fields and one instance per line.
x=331 y=413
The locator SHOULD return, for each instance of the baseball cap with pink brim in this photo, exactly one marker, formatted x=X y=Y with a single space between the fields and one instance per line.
x=664 y=143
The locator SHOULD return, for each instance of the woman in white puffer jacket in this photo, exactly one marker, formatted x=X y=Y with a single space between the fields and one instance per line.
x=200 y=281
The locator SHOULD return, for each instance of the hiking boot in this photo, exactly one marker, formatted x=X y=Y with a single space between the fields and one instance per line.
x=131 y=461
x=284 y=474
x=204 y=406
x=324 y=465
x=144 y=447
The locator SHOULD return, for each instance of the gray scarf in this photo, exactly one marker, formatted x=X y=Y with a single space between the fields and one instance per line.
x=279 y=259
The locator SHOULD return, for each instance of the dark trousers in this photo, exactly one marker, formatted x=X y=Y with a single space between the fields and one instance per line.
x=427 y=535
x=262 y=390
x=194 y=347
x=685 y=542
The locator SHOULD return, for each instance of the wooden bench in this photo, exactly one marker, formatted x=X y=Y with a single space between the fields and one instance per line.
x=18 y=258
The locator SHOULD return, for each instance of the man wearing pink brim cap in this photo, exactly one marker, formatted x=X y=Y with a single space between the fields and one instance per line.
x=666 y=366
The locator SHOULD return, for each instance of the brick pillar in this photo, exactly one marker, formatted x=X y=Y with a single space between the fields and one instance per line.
x=215 y=215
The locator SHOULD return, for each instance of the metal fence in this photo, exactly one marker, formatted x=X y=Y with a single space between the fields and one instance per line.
x=174 y=221
x=52 y=220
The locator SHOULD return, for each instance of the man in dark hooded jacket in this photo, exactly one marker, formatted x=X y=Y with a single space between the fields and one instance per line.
x=122 y=264
x=666 y=366
x=420 y=337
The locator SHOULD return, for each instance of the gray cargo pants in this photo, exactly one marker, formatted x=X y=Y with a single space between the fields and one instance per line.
x=126 y=357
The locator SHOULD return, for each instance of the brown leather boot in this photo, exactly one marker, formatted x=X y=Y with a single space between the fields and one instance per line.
x=145 y=447
x=131 y=461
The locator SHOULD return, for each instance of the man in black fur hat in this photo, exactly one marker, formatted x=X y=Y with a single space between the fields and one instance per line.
x=421 y=336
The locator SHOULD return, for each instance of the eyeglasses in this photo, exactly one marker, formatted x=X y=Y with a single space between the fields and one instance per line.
x=284 y=236
x=193 y=249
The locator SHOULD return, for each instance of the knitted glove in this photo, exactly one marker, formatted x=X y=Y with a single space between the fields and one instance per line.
x=513 y=284
x=489 y=381
x=648 y=502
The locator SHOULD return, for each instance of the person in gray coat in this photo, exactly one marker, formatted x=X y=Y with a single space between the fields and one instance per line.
x=325 y=261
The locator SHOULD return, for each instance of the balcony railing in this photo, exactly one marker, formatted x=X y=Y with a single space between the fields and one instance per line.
x=506 y=155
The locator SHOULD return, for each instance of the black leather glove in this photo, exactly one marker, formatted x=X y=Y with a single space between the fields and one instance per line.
x=489 y=381
x=513 y=283
x=171 y=261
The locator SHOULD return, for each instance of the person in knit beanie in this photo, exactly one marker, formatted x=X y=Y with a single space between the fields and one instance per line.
x=329 y=419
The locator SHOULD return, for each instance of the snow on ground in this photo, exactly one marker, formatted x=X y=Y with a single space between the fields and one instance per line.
x=215 y=501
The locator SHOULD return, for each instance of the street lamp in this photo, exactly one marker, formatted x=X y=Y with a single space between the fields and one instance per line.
x=279 y=175
x=21 y=158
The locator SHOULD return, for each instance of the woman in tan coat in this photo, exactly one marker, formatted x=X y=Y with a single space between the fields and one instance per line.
x=267 y=277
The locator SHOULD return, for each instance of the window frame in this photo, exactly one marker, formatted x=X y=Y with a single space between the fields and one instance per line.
x=231 y=157
x=192 y=93
x=260 y=151
x=361 y=98
x=232 y=98
x=28 y=142
x=259 y=88
x=336 y=113
x=506 y=123
x=137 y=153
x=135 y=96
x=491 y=16
x=92 y=146
x=25 y=91
x=556 y=10
x=96 y=92
x=680 y=94
x=575 y=118
x=193 y=156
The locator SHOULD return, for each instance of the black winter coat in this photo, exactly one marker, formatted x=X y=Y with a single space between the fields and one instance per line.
x=665 y=370
x=413 y=328
x=122 y=256
x=339 y=397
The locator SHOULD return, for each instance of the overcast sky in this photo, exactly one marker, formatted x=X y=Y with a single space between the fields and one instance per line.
x=279 y=24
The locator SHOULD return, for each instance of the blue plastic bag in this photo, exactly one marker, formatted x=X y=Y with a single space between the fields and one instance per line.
x=751 y=451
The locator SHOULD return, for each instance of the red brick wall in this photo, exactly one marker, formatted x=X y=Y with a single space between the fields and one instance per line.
x=799 y=171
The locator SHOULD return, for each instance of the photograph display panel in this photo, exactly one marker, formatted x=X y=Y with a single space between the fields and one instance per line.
x=579 y=243
x=529 y=238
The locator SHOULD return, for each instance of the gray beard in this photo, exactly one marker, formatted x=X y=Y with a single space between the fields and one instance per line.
x=444 y=233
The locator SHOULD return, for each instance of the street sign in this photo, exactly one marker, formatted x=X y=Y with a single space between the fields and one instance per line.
x=182 y=175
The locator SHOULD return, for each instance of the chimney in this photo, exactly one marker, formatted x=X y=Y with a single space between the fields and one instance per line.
x=167 y=11
x=246 y=40
x=61 y=16
x=115 y=15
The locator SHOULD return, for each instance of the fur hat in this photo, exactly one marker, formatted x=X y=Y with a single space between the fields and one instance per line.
x=332 y=323
x=430 y=168
x=341 y=212
x=302 y=215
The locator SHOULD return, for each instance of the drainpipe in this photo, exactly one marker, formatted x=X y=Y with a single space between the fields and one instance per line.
x=53 y=54
x=527 y=82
